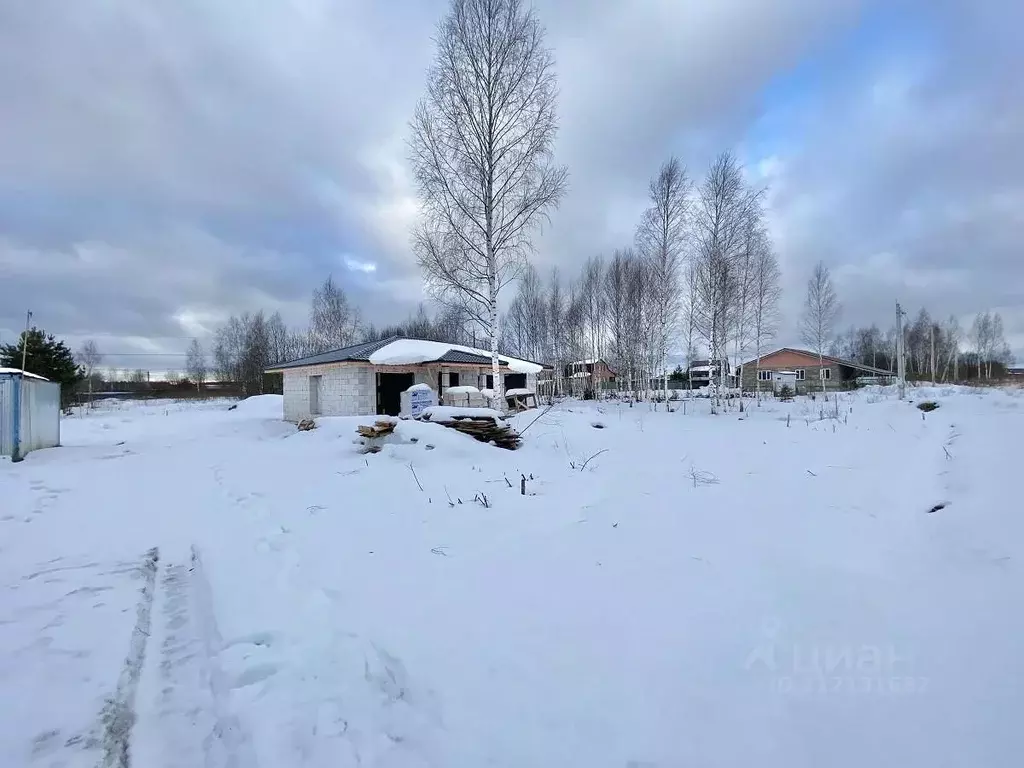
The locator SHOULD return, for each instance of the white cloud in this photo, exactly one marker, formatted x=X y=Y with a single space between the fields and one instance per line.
x=360 y=266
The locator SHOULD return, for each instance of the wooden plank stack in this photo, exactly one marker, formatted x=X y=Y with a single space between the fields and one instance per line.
x=486 y=429
x=380 y=428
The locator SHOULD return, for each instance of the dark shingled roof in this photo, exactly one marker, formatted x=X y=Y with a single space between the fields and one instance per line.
x=360 y=353
x=355 y=353
x=458 y=356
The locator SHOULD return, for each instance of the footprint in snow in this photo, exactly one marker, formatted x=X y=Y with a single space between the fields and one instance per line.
x=255 y=674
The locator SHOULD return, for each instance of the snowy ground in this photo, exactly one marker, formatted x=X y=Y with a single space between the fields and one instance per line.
x=187 y=585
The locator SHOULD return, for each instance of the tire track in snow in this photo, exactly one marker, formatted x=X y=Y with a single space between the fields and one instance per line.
x=182 y=708
x=118 y=715
x=229 y=744
x=188 y=721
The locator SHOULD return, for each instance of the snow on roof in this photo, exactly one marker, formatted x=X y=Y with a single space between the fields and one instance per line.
x=699 y=368
x=403 y=351
x=27 y=374
x=413 y=351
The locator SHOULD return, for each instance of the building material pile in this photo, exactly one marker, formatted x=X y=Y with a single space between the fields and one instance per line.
x=380 y=428
x=482 y=424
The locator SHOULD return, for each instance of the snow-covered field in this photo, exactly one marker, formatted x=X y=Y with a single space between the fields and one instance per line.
x=187 y=585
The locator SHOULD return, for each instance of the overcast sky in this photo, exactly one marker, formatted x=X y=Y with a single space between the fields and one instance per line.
x=163 y=165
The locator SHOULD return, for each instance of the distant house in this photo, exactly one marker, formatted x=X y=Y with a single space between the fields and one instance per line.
x=369 y=378
x=808 y=373
x=593 y=375
x=1015 y=371
x=698 y=372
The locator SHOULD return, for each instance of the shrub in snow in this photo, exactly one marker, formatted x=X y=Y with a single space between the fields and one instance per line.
x=307 y=424
x=928 y=405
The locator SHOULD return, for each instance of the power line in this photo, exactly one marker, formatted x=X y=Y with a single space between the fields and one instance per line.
x=143 y=354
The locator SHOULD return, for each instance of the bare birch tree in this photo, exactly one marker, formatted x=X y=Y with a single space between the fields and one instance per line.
x=720 y=216
x=195 y=364
x=997 y=340
x=615 y=279
x=593 y=306
x=661 y=240
x=279 y=339
x=556 y=310
x=954 y=336
x=981 y=338
x=481 y=147
x=821 y=310
x=333 y=322
x=89 y=358
x=741 y=320
x=690 y=322
x=765 y=298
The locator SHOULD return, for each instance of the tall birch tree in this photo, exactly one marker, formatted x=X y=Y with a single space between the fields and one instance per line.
x=721 y=212
x=821 y=310
x=661 y=240
x=765 y=297
x=481 y=147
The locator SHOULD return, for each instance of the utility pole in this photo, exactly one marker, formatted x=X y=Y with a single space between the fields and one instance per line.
x=901 y=370
x=24 y=342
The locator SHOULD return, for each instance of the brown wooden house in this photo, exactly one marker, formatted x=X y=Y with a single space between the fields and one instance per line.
x=836 y=372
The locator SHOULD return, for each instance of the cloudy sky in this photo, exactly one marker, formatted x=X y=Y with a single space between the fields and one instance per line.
x=163 y=165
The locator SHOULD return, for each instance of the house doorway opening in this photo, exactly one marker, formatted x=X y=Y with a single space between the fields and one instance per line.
x=314 y=395
x=390 y=387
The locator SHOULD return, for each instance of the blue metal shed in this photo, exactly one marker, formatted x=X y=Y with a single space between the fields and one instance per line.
x=29 y=413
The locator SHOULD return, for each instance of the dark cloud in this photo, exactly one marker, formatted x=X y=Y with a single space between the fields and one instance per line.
x=164 y=165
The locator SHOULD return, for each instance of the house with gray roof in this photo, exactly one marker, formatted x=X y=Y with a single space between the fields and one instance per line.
x=369 y=378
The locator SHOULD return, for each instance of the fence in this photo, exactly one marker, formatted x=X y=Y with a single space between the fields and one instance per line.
x=29 y=415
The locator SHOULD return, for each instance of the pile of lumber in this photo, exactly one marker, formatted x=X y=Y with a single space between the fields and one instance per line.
x=486 y=429
x=380 y=428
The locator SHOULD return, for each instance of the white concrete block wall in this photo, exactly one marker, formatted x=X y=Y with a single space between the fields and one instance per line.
x=351 y=389
x=345 y=390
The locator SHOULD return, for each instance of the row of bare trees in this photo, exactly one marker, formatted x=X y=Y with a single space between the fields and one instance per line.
x=935 y=350
x=701 y=276
x=481 y=149
x=249 y=343
x=246 y=345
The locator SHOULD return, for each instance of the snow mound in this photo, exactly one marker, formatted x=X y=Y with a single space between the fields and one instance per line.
x=262 y=406
x=419 y=388
x=517 y=392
